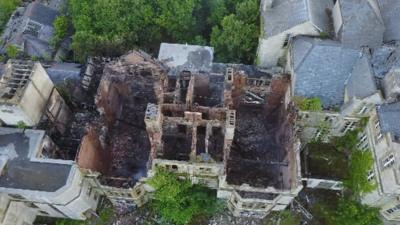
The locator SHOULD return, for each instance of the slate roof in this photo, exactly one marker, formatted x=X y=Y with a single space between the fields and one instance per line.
x=389 y=116
x=321 y=69
x=362 y=23
x=390 y=10
x=361 y=82
x=286 y=14
x=186 y=57
x=21 y=171
x=41 y=13
x=60 y=72
x=384 y=59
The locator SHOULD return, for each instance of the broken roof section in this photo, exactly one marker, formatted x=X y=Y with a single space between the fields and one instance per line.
x=360 y=23
x=389 y=117
x=384 y=59
x=390 y=10
x=31 y=29
x=193 y=58
x=18 y=150
x=14 y=80
x=286 y=14
x=320 y=69
x=263 y=150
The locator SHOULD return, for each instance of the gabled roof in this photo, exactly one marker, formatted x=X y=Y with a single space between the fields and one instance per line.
x=390 y=10
x=41 y=13
x=361 y=82
x=362 y=23
x=389 y=116
x=286 y=14
x=321 y=69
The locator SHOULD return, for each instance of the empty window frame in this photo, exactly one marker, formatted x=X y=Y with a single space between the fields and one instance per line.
x=388 y=161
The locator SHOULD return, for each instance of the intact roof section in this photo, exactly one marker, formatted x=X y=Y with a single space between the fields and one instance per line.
x=286 y=14
x=321 y=68
x=361 y=83
x=61 y=72
x=390 y=10
x=41 y=13
x=362 y=23
x=181 y=57
x=389 y=116
x=319 y=13
x=23 y=171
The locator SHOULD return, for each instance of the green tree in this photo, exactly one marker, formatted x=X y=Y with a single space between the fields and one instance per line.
x=360 y=163
x=61 y=25
x=235 y=41
x=7 y=7
x=178 y=201
x=350 y=212
x=110 y=27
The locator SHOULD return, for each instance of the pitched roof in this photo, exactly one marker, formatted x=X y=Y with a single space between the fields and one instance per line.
x=286 y=14
x=60 y=72
x=361 y=82
x=41 y=13
x=24 y=171
x=186 y=57
x=390 y=10
x=362 y=23
x=384 y=59
x=389 y=116
x=321 y=68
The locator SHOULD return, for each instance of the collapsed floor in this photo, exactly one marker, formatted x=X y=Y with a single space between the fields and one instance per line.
x=263 y=139
x=119 y=146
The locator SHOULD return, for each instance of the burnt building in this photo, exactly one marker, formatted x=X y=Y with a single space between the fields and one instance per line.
x=226 y=126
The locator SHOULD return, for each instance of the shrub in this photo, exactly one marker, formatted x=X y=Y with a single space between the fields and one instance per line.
x=309 y=104
x=12 y=51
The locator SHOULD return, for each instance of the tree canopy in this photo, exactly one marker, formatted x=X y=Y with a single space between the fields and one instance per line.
x=111 y=27
x=7 y=7
x=178 y=201
x=235 y=39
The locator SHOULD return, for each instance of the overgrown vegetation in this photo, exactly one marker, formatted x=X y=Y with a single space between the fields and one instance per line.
x=12 y=51
x=7 y=7
x=115 y=26
x=360 y=161
x=346 y=211
x=284 y=218
x=308 y=104
x=105 y=217
x=178 y=201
